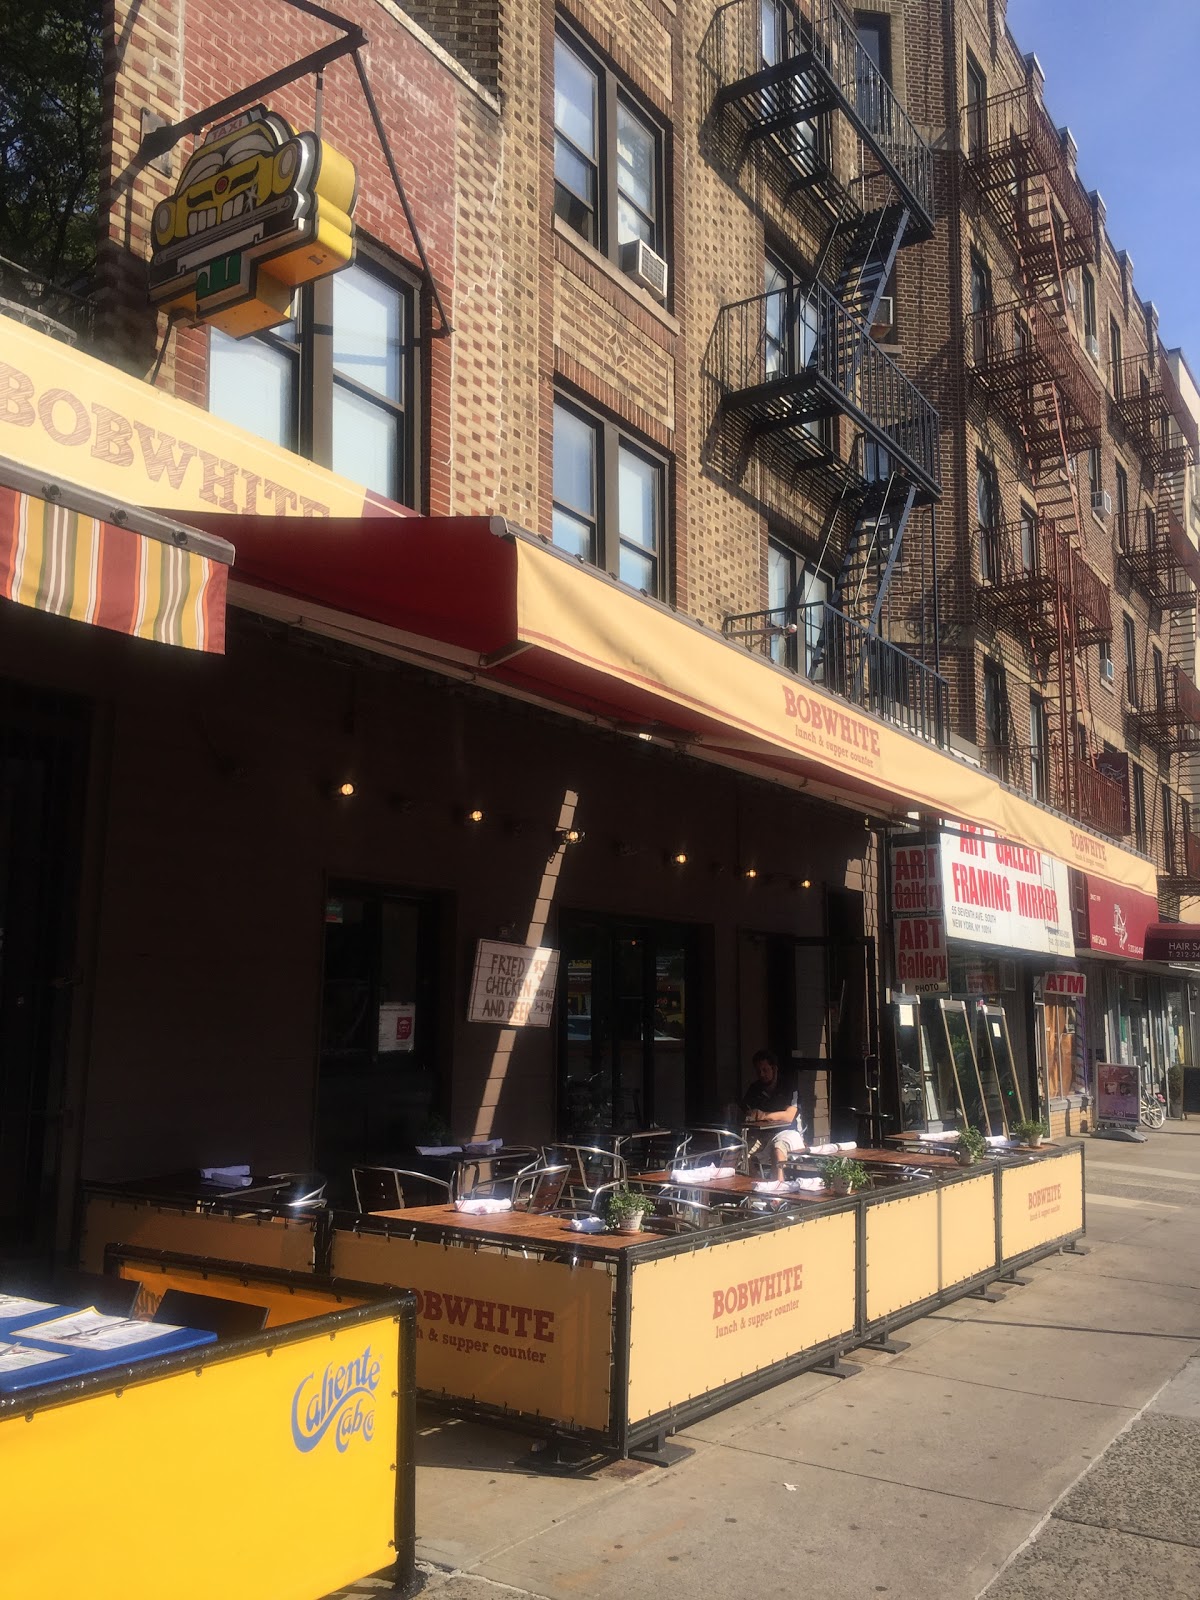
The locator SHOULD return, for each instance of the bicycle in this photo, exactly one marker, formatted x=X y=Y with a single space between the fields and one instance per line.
x=1153 y=1109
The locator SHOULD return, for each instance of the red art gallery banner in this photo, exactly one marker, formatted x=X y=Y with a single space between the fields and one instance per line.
x=1118 y=918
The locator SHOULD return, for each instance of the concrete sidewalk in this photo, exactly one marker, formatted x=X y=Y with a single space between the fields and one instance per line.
x=924 y=1475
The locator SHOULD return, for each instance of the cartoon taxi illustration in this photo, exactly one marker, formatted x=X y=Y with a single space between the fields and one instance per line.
x=259 y=209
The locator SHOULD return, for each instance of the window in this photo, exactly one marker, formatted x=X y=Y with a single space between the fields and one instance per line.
x=1124 y=531
x=609 y=499
x=1095 y=484
x=607 y=157
x=805 y=138
x=790 y=330
x=1114 y=359
x=976 y=109
x=1160 y=687
x=1131 y=682
x=1089 y=307
x=1139 y=805
x=1168 y=827
x=875 y=35
x=1104 y=653
x=796 y=594
x=995 y=712
x=1039 y=786
x=337 y=383
x=981 y=304
x=987 y=508
x=1029 y=546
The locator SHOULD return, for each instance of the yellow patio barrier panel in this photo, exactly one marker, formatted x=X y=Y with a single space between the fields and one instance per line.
x=287 y=1295
x=967 y=1228
x=704 y=1319
x=518 y=1332
x=265 y=1468
x=1040 y=1202
x=902 y=1253
x=266 y=1241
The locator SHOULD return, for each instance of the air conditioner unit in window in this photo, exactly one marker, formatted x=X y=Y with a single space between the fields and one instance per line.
x=1107 y=670
x=1093 y=347
x=646 y=267
x=1101 y=503
x=884 y=319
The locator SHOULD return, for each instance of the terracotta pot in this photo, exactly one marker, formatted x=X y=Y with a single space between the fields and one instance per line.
x=965 y=1158
x=1035 y=1140
x=631 y=1224
x=840 y=1186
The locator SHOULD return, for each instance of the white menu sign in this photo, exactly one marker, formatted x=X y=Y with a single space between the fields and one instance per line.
x=1004 y=894
x=513 y=984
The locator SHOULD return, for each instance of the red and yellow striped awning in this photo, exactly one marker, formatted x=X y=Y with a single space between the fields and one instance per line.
x=143 y=577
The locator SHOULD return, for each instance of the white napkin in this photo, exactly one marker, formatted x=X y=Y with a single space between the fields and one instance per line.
x=586 y=1225
x=482 y=1208
x=824 y=1149
x=237 y=1177
x=701 y=1174
x=483 y=1147
x=789 y=1186
x=848 y=1144
x=439 y=1149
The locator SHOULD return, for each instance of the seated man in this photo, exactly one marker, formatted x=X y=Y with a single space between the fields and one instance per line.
x=773 y=1110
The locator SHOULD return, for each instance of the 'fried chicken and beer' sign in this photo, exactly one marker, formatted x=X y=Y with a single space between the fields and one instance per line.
x=974 y=887
x=513 y=984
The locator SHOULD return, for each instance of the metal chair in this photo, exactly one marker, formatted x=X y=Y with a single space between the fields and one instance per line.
x=380 y=1188
x=676 y=1213
x=228 y=1319
x=282 y=1191
x=540 y=1188
x=503 y=1169
x=591 y=1167
x=652 y=1150
x=722 y=1145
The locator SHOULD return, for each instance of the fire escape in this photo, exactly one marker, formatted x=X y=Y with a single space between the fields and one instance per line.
x=1024 y=364
x=799 y=385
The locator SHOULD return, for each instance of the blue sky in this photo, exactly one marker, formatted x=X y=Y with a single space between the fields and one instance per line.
x=1125 y=78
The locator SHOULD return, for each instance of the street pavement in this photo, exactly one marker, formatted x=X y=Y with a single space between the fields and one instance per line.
x=1047 y=1445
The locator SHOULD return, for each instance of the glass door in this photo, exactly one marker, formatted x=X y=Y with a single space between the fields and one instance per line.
x=997 y=1052
x=625 y=1041
x=378 y=1089
x=959 y=1065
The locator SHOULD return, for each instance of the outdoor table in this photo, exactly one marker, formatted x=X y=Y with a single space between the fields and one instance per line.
x=81 y=1358
x=739 y=1186
x=513 y=1227
x=17 y=1309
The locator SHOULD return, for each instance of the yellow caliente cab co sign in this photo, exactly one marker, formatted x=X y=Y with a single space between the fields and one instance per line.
x=259 y=210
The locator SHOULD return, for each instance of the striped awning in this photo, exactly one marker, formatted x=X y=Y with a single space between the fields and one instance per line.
x=112 y=566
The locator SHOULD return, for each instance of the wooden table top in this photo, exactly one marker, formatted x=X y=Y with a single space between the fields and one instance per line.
x=520 y=1227
x=924 y=1143
x=738 y=1184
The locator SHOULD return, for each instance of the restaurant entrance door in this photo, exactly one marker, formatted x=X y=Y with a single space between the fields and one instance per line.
x=378 y=1090
x=625 y=1048
x=43 y=751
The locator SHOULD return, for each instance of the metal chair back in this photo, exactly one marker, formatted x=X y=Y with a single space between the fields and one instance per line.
x=540 y=1188
x=652 y=1149
x=591 y=1167
x=381 y=1188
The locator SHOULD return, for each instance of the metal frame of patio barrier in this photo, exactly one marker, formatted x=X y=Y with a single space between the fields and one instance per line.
x=616 y=1348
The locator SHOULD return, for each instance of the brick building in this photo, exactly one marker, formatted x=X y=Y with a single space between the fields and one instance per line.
x=607 y=578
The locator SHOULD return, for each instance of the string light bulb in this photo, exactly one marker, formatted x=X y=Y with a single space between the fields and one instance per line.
x=344 y=790
x=680 y=858
x=475 y=815
x=806 y=883
x=570 y=835
x=750 y=872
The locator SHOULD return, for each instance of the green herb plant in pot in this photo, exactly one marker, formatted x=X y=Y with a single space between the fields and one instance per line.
x=626 y=1210
x=970 y=1147
x=1030 y=1133
x=843 y=1175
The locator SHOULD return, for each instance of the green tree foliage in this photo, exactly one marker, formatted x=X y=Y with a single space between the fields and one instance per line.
x=50 y=131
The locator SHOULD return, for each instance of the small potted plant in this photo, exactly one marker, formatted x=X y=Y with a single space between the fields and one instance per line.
x=971 y=1145
x=843 y=1175
x=1031 y=1133
x=626 y=1210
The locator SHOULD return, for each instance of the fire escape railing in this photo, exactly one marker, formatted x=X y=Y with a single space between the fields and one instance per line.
x=1167 y=712
x=1154 y=415
x=846 y=657
x=778 y=390
x=1103 y=803
x=1159 y=557
x=1176 y=854
x=1016 y=353
x=1030 y=576
x=822 y=67
x=1009 y=140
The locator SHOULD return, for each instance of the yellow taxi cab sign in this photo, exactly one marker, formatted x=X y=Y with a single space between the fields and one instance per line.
x=259 y=210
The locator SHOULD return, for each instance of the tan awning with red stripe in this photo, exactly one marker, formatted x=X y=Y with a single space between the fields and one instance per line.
x=63 y=552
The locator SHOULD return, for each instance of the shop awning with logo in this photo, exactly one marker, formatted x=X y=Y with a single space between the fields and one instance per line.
x=495 y=603
x=1173 y=941
x=1118 y=918
x=69 y=552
